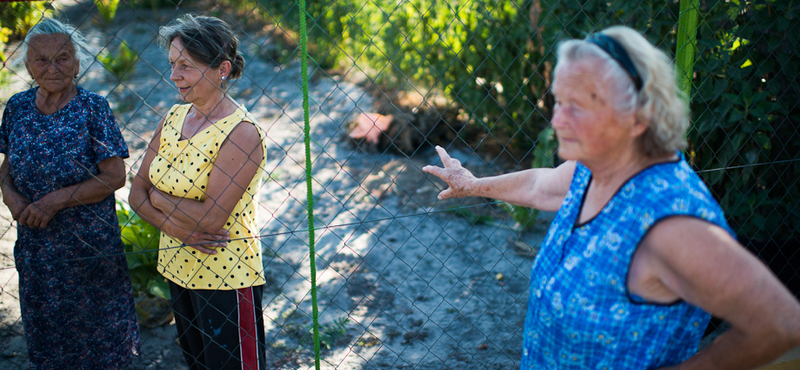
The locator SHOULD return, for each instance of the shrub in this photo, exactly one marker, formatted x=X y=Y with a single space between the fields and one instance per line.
x=494 y=60
x=141 y=242
x=490 y=59
x=107 y=10
x=745 y=138
x=122 y=64
x=16 y=18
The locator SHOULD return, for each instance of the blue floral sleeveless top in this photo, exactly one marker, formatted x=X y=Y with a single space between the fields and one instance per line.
x=580 y=313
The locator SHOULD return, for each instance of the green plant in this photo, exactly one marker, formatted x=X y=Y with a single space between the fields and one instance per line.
x=745 y=139
x=141 y=242
x=122 y=64
x=544 y=155
x=472 y=217
x=16 y=18
x=107 y=10
x=20 y=16
x=331 y=333
x=491 y=59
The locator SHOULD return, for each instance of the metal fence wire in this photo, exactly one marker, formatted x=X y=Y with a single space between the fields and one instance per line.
x=405 y=280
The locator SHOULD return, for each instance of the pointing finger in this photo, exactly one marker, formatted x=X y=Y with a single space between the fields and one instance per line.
x=443 y=155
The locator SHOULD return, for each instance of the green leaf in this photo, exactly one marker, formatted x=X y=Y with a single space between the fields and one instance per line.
x=762 y=140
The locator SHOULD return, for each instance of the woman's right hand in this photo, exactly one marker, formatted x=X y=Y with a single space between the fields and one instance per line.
x=459 y=179
x=15 y=202
x=206 y=242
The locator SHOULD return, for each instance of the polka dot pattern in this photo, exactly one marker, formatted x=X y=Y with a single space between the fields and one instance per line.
x=182 y=168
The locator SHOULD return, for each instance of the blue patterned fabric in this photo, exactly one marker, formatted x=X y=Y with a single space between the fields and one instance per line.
x=75 y=291
x=580 y=313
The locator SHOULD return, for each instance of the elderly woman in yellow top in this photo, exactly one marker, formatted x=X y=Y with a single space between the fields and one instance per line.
x=197 y=183
x=639 y=252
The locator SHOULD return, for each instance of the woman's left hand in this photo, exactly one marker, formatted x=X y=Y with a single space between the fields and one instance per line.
x=39 y=213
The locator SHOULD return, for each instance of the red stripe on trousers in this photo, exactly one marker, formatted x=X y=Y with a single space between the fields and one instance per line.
x=248 y=343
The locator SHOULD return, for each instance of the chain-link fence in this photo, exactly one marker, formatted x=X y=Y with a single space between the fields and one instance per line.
x=404 y=280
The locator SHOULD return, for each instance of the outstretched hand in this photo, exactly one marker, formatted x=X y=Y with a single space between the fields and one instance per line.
x=459 y=179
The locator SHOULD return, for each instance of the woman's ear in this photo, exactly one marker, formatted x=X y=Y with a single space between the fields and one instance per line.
x=224 y=69
x=639 y=127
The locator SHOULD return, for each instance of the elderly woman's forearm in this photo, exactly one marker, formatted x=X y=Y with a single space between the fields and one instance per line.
x=735 y=350
x=540 y=188
x=110 y=177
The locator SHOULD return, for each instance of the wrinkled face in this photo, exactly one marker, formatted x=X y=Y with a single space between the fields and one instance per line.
x=196 y=82
x=51 y=62
x=588 y=128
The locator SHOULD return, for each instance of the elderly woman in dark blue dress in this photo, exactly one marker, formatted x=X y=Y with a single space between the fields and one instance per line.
x=63 y=162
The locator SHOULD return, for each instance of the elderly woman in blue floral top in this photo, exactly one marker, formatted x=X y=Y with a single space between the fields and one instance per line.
x=639 y=252
x=63 y=162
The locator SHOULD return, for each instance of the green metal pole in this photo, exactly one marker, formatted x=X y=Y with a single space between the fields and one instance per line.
x=309 y=193
x=687 y=43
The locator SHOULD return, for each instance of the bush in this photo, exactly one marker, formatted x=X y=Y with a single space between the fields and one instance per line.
x=16 y=18
x=141 y=242
x=490 y=59
x=122 y=64
x=107 y=10
x=745 y=138
x=494 y=60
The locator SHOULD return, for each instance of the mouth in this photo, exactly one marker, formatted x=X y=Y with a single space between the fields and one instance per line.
x=184 y=90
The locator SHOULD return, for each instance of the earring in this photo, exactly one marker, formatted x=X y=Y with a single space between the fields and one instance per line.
x=223 y=82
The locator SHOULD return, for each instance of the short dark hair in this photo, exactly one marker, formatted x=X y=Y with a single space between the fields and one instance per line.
x=209 y=40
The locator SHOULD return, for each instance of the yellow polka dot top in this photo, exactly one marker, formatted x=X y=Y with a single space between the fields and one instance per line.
x=182 y=168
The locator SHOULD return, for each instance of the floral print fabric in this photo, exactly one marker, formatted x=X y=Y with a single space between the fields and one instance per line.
x=75 y=291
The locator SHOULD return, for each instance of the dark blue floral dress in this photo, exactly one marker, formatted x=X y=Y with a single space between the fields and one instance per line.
x=75 y=291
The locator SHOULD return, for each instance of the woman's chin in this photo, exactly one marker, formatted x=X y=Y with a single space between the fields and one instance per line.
x=566 y=154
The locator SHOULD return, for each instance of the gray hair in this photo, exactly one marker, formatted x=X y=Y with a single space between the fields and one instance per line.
x=659 y=103
x=209 y=40
x=50 y=26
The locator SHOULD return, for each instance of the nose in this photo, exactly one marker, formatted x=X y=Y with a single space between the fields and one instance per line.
x=557 y=120
x=52 y=67
x=174 y=74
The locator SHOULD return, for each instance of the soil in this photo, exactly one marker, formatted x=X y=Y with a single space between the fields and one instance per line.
x=402 y=281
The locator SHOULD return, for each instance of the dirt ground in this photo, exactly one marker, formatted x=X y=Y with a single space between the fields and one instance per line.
x=410 y=284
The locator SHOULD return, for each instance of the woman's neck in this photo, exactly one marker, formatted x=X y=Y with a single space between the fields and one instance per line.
x=215 y=109
x=49 y=102
x=612 y=174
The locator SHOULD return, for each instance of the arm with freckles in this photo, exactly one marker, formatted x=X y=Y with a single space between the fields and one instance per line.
x=540 y=188
x=686 y=258
x=237 y=163
x=139 y=199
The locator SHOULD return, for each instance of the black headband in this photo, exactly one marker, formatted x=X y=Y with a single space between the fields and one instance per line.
x=618 y=53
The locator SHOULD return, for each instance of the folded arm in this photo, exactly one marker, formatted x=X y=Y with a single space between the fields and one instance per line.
x=187 y=232
x=110 y=177
x=236 y=165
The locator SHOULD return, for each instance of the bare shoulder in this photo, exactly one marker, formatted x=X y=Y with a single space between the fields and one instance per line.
x=245 y=134
x=244 y=140
x=703 y=264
